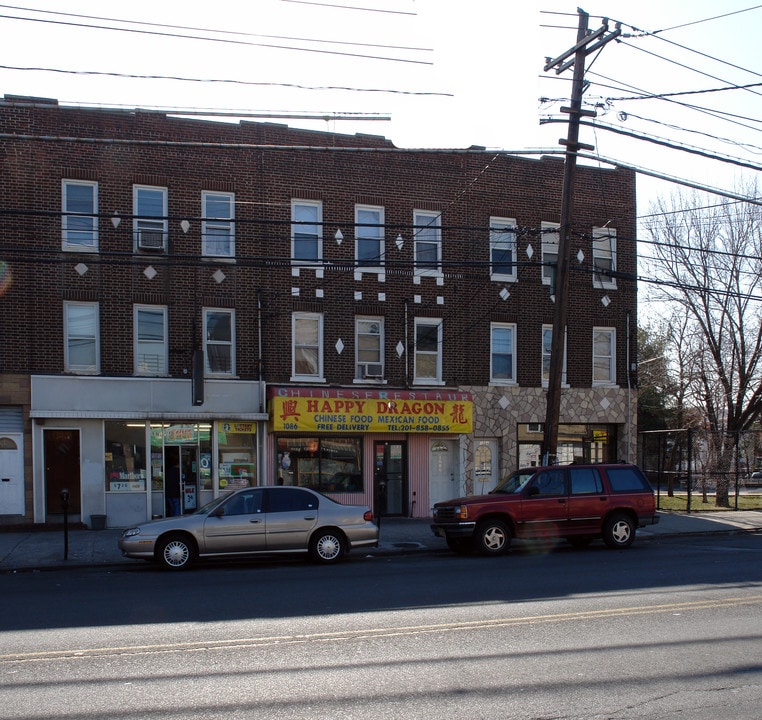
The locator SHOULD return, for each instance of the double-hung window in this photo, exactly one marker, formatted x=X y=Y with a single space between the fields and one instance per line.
x=502 y=353
x=428 y=350
x=219 y=342
x=218 y=226
x=550 y=238
x=150 y=339
x=369 y=235
x=502 y=249
x=306 y=230
x=547 y=345
x=82 y=337
x=150 y=221
x=427 y=244
x=604 y=258
x=604 y=348
x=307 y=345
x=80 y=215
x=369 y=342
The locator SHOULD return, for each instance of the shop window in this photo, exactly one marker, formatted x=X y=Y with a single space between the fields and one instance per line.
x=237 y=447
x=323 y=464
x=125 y=457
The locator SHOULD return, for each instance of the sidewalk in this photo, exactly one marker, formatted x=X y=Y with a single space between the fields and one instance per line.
x=44 y=549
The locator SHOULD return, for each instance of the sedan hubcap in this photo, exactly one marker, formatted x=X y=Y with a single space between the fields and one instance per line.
x=176 y=553
x=328 y=547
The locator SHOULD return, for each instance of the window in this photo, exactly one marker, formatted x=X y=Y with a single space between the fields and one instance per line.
x=237 y=454
x=328 y=464
x=369 y=344
x=82 y=348
x=306 y=230
x=547 y=344
x=604 y=258
x=80 y=215
x=150 y=340
x=218 y=228
x=427 y=234
x=550 y=238
x=503 y=353
x=125 y=456
x=627 y=479
x=585 y=481
x=428 y=353
x=603 y=356
x=548 y=482
x=249 y=502
x=307 y=334
x=150 y=222
x=502 y=248
x=369 y=235
x=291 y=500
x=219 y=332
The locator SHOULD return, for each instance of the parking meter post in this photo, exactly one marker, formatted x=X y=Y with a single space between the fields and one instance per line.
x=65 y=508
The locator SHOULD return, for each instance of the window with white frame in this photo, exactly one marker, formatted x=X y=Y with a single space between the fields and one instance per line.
x=502 y=249
x=369 y=344
x=219 y=341
x=547 y=344
x=550 y=238
x=369 y=235
x=79 y=215
x=82 y=337
x=427 y=244
x=306 y=230
x=218 y=226
x=604 y=258
x=150 y=221
x=604 y=347
x=307 y=345
x=502 y=353
x=150 y=339
x=428 y=350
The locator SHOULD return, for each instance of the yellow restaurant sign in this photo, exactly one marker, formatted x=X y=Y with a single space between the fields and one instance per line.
x=393 y=411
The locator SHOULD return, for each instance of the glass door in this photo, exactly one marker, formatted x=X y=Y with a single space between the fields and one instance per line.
x=390 y=478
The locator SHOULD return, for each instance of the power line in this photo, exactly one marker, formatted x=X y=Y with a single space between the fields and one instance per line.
x=254 y=83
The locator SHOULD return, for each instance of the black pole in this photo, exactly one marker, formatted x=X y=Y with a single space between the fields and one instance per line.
x=65 y=506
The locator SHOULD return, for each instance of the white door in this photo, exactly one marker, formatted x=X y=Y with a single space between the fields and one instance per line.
x=11 y=475
x=443 y=483
x=485 y=465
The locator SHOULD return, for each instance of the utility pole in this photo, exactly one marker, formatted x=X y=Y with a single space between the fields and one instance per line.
x=587 y=42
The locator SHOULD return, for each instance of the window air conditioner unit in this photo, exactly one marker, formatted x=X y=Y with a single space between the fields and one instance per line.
x=371 y=370
x=152 y=240
x=534 y=427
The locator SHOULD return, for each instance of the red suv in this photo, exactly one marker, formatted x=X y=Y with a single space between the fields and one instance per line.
x=577 y=502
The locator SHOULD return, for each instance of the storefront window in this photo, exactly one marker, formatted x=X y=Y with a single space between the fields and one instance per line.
x=125 y=457
x=323 y=464
x=237 y=455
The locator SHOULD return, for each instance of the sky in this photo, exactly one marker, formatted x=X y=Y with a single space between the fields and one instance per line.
x=440 y=73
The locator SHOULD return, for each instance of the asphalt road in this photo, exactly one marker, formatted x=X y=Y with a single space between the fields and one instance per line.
x=667 y=629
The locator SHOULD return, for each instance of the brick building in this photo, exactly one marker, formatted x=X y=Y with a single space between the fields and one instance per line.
x=266 y=305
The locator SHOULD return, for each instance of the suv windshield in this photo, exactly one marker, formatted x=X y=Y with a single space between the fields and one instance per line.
x=514 y=483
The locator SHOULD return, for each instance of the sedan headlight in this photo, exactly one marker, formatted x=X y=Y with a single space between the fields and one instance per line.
x=131 y=532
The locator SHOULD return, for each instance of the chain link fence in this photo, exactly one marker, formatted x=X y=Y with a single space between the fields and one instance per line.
x=700 y=470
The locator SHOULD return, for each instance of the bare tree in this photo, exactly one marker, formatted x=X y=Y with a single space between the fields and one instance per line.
x=707 y=257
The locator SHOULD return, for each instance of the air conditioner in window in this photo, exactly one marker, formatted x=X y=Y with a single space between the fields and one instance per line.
x=371 y=370
x=534 y=427
x=152 y=240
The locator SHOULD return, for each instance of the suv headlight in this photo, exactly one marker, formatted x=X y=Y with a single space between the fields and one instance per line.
x=461 y=512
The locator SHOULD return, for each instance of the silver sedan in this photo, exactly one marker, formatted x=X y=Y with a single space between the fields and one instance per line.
x=255 y=520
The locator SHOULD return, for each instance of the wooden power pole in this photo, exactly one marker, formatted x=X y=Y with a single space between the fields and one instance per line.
x=587 y=42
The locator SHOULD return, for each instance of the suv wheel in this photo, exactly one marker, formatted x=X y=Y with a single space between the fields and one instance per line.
x=619 y=531
x=492 y=537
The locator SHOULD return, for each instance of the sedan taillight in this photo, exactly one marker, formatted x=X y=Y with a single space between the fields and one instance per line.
x=368 y=516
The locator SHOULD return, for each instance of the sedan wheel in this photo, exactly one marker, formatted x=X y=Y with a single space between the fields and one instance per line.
x=493 y=537
x=327 y=546
x=619 y=531
x=175 y=553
